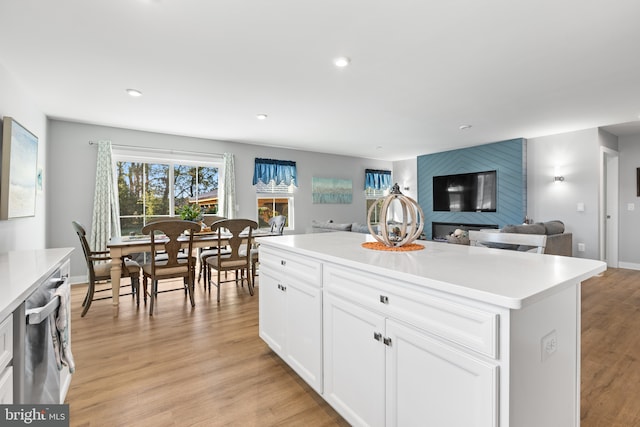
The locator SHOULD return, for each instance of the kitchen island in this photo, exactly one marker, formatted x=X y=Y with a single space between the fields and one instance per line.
x=450 y=335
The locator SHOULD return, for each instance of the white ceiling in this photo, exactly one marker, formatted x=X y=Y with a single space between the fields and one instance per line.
x=419 y=70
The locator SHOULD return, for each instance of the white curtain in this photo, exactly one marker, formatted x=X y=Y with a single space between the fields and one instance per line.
x=105 y=222
x=227 y=193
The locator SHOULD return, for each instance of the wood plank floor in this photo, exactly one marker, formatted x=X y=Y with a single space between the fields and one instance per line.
x=208 y=367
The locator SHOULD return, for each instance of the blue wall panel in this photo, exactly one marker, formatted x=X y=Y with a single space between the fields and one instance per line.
x=508 y=158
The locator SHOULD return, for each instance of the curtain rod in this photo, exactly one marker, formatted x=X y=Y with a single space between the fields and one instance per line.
x=163 y=150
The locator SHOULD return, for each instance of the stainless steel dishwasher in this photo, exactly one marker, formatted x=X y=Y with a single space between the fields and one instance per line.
x=38 y=378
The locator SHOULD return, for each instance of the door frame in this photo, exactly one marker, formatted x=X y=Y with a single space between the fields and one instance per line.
x=609 y=206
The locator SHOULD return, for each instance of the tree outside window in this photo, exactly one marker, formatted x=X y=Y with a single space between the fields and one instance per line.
x=149 y=191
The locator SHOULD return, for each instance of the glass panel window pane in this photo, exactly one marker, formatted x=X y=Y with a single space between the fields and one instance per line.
x=269 y=207
x=208 y=179
x=157 y=189
x=185 y=180
x=375 y=215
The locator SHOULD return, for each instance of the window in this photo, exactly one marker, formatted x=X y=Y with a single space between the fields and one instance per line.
x=152 y=187
x=274 y=181
x=377 y=184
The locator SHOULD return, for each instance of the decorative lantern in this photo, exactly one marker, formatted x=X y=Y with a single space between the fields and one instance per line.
x=399 y=233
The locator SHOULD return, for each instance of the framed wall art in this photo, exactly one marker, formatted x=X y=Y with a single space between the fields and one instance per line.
x=19 y=175
x=331 y=190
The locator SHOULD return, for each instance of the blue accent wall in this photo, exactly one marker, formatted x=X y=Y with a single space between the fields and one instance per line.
x=507 y=158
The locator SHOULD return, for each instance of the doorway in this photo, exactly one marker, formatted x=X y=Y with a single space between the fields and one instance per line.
x=609 y=207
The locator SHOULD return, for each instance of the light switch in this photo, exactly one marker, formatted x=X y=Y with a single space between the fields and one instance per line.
x=631 y=206
x=580 y=207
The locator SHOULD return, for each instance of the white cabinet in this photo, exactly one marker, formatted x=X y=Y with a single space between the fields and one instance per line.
x=6 y=355
x=354 y=362
x=291 y=312
x=428 y=338
x=432 y=384
x=379 y=371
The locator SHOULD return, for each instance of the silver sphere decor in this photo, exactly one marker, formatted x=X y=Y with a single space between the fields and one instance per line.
x=400 y=233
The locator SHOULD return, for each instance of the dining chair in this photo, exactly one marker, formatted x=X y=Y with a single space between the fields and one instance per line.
x=238 y=233
x=516 y=241
x=205 y=253
x=99 y=270
x=276 y=224
x=168 y=237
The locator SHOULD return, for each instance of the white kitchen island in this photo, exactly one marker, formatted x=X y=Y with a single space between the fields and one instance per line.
x=450 y=335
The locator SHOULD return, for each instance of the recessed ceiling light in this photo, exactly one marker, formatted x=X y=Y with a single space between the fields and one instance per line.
x=261 y=116
x=464 y=127
x=134 y=92
x=342 y=61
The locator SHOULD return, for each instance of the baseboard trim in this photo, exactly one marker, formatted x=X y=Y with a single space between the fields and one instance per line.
x=629 y=265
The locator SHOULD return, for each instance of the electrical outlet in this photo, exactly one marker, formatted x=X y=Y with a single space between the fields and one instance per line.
x=581 y=247
x=548 y=345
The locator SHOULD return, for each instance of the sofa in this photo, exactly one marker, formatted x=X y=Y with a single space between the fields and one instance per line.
x=558 y=242
x=323 y=226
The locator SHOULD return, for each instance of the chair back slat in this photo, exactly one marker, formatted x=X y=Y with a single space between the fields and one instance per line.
x=166 y=236
x=241 y=231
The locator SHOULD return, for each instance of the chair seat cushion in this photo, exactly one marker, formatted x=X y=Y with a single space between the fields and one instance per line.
x=225 y=262
x=103 y=270
x=177 y=270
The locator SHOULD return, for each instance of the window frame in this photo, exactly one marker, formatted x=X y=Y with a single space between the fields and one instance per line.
x=168 y=157
x=281 y=191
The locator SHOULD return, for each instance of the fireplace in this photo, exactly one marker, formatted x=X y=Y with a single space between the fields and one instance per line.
x=440 y=230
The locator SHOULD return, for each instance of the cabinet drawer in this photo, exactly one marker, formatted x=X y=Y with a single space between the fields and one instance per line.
x=287 y=265
x=6 y=386
x=6 y=341
x=468 y=326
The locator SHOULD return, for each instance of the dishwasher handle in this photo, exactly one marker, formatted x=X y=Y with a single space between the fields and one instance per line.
x=38 y=315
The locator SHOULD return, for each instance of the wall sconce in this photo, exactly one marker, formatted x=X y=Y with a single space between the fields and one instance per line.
x=558 y=178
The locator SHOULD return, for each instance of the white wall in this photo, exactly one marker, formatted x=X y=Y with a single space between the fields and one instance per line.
x=405 y=173
x=629 y=224
x=24 y=233
x=72 y=177
x=576 y=156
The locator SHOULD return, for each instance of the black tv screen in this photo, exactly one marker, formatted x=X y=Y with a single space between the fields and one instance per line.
x=467 y=192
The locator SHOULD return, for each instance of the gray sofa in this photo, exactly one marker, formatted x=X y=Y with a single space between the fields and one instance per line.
x=558 y=242
x=322 y=226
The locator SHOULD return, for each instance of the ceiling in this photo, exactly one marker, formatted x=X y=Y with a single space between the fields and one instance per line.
x=419 y=69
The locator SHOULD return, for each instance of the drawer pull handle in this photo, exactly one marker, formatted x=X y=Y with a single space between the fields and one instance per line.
x=387 y=341
x=283 y=262
x=384 y=299
x=377 y=336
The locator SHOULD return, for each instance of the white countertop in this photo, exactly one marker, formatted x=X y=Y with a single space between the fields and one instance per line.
x=505 y=278
x=22 y=271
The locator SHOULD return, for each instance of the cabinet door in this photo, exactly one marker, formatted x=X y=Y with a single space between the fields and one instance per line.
x=354 y=362
x=303 y=322
x=271 y=311
x=433 y=384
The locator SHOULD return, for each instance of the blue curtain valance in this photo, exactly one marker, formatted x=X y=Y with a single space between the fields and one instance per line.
x=377 y=179
x=280 y=171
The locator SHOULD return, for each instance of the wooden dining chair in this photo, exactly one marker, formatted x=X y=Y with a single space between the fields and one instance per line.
x=205 y=253
x=99 y=270
x=516 y=241
x=239 y=233
x=168 y=237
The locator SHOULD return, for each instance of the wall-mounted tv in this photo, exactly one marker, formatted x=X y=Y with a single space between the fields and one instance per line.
x=467 y=192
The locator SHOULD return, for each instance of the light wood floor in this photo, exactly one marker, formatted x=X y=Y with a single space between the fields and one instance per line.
x=208 y=367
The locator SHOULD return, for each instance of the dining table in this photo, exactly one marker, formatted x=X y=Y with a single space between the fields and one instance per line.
x=122 y=246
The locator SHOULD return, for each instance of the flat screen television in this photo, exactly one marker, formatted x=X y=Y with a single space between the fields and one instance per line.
x=467 y=192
